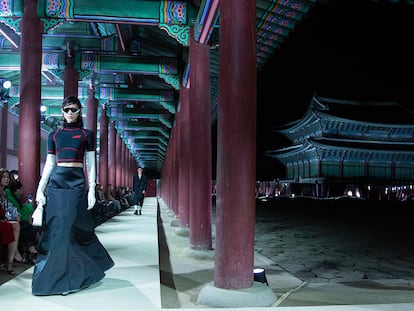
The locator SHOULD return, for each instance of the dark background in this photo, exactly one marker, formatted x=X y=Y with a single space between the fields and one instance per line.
x=347 y=49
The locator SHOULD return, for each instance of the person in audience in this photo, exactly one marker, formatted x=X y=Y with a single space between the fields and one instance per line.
x=100 y=210
x=128 y=196
x=119 y=195
x=115 y=205
x=11 y=213
x=28 y=234
x=14 y=175
x=8 y=241
x=70 y=255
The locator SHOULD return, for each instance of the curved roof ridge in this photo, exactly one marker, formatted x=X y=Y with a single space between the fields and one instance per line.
x=371 y=111
x=369 y=141
x=357 y=102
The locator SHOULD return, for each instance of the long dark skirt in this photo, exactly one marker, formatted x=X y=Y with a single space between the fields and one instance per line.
x=70 y=255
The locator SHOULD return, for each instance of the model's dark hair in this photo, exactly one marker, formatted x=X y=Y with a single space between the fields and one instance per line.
x=73 y=100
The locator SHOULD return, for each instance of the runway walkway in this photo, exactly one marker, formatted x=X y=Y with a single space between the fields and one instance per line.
x=132 y=284
x=149 y=277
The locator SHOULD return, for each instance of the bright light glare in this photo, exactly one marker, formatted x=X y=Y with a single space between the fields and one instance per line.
x=6 y=84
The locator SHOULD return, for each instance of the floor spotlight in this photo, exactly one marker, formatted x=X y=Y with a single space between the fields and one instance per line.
x=260 y=275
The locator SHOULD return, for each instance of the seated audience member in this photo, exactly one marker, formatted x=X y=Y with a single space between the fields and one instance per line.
x=129 y=196
x=10 y=212
x=7 y=242
x=119 y=195
x=100 y=195
x=29 y=235
x=115 y=205
x=14 y=175
x=100 y=209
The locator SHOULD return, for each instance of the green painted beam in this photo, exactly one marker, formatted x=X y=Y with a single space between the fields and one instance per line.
x=136 y=95
x=10 y=61
x=131 y=11
x=143 y=65
x=96 y=62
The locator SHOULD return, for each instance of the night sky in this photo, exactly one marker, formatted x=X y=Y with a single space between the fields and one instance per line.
x=350 y=49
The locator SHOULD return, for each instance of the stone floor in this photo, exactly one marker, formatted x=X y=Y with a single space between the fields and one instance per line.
x=343 y=242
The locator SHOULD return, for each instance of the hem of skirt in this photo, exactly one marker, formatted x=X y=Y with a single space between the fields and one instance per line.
x=63 y=293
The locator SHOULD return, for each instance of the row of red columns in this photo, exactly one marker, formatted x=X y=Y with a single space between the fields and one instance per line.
x=123 y=169
x=187 y=167
x=187 y=174
x=29 y=125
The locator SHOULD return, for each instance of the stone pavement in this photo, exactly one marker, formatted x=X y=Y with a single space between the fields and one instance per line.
x=316 y=258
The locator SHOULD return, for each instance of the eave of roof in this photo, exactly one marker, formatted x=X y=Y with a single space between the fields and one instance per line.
x=381 y=146
x=376 y=112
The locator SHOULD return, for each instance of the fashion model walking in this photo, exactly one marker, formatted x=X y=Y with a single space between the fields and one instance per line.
x=70 y=255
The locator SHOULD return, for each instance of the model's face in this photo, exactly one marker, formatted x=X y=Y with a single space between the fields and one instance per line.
x=71 y=113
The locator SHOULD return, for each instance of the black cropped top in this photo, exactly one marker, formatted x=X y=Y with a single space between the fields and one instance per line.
x=69 y=144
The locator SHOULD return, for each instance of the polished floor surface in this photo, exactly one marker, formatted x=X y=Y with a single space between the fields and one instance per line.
x=155 y=271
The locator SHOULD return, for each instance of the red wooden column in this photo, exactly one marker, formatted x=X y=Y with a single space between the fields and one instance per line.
x=91 y=115
x=30 y=90
x=130 y=169
x=118 y=162
x=103 y=150
x=112 y=156
x=174 y=169
x=3 y=134
x=236 y=146
x=200 y=155
x=183 y=180
x=70 y=75
x=166 y=178
x=91 y=111
x=123 y=161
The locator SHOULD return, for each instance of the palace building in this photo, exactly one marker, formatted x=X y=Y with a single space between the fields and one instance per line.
x=345 y=147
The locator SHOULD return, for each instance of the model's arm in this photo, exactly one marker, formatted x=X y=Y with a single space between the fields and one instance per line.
x=145 y=179
x=47 y=171
x=91 y=168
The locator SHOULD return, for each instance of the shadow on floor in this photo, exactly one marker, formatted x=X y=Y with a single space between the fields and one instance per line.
x=169 y=298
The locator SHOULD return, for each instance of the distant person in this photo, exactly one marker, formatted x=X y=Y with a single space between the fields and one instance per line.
x=139 y=186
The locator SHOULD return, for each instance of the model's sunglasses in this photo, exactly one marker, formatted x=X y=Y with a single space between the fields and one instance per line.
x=73 y=110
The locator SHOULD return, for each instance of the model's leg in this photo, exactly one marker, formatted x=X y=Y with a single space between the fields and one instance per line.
x=141 y=202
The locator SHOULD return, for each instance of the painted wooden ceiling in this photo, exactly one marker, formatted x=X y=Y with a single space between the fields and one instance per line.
x=135 y=57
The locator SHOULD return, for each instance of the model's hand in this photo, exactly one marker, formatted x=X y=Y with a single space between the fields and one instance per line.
x=91 y=198
x=40 y=197
x=37 y=216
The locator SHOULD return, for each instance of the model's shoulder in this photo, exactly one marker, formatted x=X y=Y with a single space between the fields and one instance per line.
x=52 y=133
